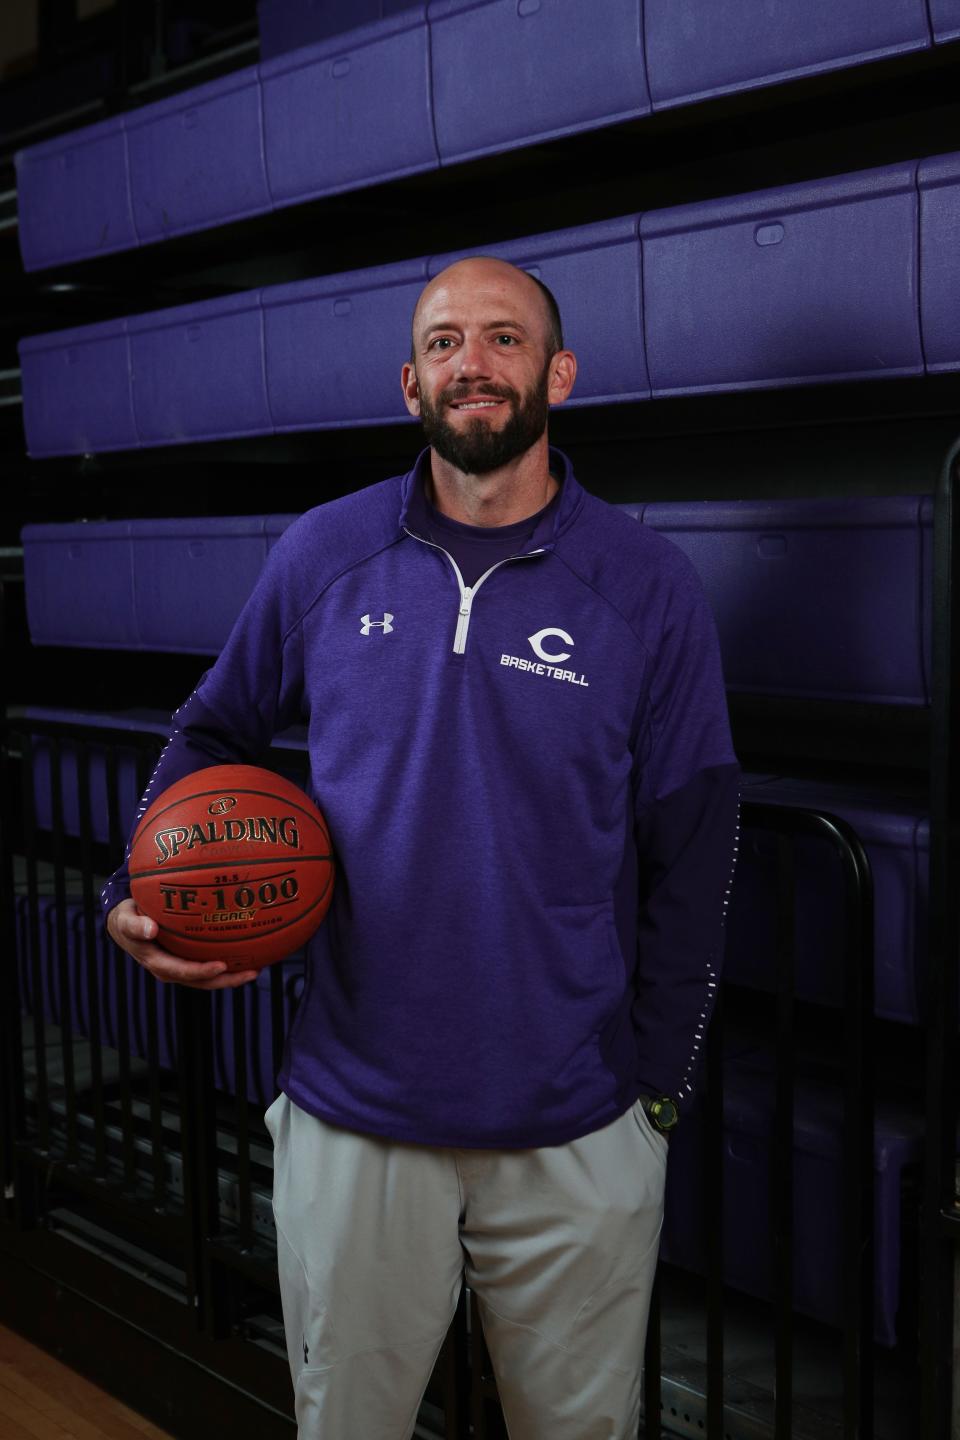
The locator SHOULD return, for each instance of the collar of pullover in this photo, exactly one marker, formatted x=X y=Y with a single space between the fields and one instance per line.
x=413 y=509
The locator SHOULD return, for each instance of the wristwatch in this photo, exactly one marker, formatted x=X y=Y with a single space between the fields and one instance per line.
x=662 y=1112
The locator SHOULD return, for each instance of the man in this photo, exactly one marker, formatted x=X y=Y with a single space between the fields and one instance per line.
x=518 y=734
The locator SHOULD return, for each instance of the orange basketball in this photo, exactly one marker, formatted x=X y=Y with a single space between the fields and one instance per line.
x=234 y=863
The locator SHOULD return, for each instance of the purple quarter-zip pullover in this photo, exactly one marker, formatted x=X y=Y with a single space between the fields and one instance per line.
x=533 y=798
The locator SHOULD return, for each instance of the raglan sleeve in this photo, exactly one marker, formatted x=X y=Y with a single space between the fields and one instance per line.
x=687 y=821
x=254 y=690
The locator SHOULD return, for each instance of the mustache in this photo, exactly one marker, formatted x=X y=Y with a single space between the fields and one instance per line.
x=454 y=394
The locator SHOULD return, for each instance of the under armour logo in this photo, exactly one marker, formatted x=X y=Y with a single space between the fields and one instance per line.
x=367 y=624
x=537 y=642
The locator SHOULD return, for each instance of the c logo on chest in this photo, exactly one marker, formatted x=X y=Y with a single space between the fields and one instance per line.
x=536 y=642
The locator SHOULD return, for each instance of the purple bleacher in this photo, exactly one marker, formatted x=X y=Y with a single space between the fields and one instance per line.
x=696 y=50
x=129 y=788
x=73 y=196
x=895 y=834
x=817 y=1240
x=107 y=960
x=261 y=1087
x=198 y=371
x=315 y=330
x=291 y=24
x=809 y=283
x=79 y=584
x=352 y=110
x=945 y=19
x=512 y=72
x=815 y=598
x=76 y=390
x=129 y=785
x=275 y=526
x=939 y=181
x=594 y=273
x=191 y=578
x=196 y=159
x=174 y=585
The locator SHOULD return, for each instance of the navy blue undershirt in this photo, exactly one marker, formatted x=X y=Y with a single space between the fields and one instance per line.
x=476 y=547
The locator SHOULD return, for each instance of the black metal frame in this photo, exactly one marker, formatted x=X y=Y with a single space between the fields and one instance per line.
x=940 y=1230
x=99 y=1150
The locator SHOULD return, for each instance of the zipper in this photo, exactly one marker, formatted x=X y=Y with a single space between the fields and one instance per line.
x=468 y=593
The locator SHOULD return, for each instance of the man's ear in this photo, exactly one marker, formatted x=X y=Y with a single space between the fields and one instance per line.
x=411 y=388
x=563 y=372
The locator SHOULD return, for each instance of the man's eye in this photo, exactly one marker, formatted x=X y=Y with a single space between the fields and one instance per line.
x=507 y=340
x=441 y=342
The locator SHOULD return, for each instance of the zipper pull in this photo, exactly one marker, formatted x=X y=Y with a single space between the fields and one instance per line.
x=465 y=603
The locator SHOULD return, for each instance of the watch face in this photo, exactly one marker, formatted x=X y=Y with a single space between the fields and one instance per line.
x=664 y=1113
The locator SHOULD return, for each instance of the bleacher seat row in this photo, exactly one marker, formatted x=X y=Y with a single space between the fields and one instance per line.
x=856 y=276
x=862 y=566
x=418 y=87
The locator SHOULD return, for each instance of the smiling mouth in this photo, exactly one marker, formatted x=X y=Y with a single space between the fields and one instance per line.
x=475 y=404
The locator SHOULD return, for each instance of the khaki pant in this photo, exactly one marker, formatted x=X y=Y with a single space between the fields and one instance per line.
x=559 y=1244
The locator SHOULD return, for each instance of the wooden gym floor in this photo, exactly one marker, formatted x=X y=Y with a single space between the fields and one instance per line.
x=41 y=1399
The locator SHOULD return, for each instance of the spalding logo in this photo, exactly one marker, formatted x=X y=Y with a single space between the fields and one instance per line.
x=221 y=806
x=282 y=829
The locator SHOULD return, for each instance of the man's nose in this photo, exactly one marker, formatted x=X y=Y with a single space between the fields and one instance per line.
x=472 y=361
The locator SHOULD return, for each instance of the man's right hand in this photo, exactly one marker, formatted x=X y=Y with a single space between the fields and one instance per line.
x=135 y=932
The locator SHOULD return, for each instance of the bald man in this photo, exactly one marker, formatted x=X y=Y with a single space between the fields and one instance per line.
x=518 y=733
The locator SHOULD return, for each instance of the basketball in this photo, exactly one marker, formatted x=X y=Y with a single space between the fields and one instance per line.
x=234 y=863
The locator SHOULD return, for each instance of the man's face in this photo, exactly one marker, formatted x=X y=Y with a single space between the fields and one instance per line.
x=477 y=441
x=482 y=372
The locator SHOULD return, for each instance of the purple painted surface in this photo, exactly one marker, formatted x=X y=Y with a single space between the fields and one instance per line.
x=198 y=371
x=895 y=835
x=945 y=19
x=820 y=598
x=806 y=284
x=79 y=584
x=511 y=72
x=191 y=579
x=196 y=159
x=699 y=48
x=170 y=585
x=818 y=1249
x=129 y=785
x=116 y=973
x=350 y=111
x=291 y=24
x=73 y=196
x=76 y=390
x=939 y=180
x=594 y=272
x=275 y=526
x=111 y=970
x=316 y=332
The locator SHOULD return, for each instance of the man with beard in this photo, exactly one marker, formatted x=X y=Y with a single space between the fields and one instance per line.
x=517 y=730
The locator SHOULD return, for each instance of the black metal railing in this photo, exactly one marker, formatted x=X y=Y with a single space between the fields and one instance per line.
x=940 y=1209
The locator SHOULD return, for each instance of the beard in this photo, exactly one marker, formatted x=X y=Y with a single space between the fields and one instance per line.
x=477 y=448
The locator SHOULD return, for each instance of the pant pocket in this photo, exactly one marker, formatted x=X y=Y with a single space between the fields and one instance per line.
x=654 y=1137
